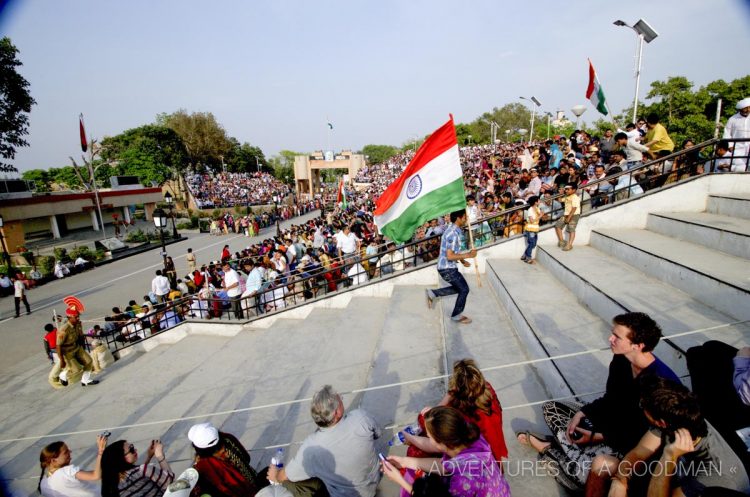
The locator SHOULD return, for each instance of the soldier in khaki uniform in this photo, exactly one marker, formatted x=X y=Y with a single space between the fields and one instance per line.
x=70 y=348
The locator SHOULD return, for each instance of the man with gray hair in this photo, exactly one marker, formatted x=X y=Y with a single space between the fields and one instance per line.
x=339 y=458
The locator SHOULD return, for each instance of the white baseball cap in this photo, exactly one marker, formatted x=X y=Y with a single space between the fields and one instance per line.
x=203 y=435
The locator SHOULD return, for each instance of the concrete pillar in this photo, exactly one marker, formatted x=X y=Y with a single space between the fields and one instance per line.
x=94 y=220
x=126 y=214
x=54 y=227
x=149 y=209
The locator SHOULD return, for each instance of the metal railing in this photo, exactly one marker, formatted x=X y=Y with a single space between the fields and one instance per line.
x=329 y=274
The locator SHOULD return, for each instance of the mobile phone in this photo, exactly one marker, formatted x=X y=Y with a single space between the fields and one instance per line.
x=382 y=457
x=105 y=434
x=584 y=424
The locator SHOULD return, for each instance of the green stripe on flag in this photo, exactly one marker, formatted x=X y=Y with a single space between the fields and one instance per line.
x=601 y=106
x=438 y=202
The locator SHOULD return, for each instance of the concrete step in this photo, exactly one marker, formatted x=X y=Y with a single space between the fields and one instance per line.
x=610 y=286
x=715 y=231
x=289 y=362
x=411 y=346
x=205 y=374
x=550 y=322
x=717 y=279
x=735 y=204
x=492 y=342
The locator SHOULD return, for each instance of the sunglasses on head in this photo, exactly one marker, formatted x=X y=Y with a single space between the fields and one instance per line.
x=131 y=449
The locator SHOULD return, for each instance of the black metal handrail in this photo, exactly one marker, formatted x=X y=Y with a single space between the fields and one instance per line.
x=316 y=282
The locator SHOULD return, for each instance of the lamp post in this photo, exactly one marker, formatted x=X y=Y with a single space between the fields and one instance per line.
x=170 y=203
x=507 y=135
x=257 y=164
x=160 y=221
x=645 y=33
x=534 y=104
x=276 y=200
x=578 y=110
x=549 y=117
x=469 y=138
x=6 y=255
x=522 y=132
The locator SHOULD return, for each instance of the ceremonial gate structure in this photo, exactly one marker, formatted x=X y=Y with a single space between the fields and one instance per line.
x=307 y=168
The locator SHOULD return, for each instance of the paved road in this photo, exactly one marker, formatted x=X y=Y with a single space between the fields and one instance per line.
x=103 y=288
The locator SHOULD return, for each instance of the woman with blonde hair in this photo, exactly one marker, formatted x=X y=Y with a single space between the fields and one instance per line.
x=60 y=478
x=472 y=395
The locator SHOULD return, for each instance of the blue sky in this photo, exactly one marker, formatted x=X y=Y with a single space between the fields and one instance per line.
x=380 y=71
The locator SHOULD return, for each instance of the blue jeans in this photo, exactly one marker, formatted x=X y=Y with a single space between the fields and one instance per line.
x=530 y=243
x=458 y=286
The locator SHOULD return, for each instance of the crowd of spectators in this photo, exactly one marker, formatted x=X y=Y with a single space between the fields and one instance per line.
x=342 y=247
x=212 y=190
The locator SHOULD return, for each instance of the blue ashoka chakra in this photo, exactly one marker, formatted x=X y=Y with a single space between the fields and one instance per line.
x=414 y=187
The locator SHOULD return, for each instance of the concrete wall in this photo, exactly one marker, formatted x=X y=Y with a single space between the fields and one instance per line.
x=36 y=225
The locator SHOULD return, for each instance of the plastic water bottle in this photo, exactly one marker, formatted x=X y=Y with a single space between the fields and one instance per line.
x=278 y=461
x=399 y=438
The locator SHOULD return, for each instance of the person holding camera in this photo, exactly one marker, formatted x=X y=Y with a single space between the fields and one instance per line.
x=61 y=478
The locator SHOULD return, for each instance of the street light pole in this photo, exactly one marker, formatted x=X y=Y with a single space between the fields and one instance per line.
x=170 y=201
x=160 y=221
x=549 y=116
x=534 y=104
x=646 y=34
x=276 y=199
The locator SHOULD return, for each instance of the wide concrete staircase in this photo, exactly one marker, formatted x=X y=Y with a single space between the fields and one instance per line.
x=539 y=331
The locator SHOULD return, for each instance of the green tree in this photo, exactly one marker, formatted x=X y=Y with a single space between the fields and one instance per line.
x=283 y=165
x=40 y=177
x=378 y=154
x=15 y=104
x=244 y=158
x=511 y=117
x=65 y=178
x=689 y=113
x=153 y=153
x=204 y=138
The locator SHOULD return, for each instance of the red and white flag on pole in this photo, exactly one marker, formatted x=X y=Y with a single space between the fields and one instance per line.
x=84 y=143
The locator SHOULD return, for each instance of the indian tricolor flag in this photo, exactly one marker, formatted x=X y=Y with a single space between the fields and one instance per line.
x=430 y=186
x=595 y=93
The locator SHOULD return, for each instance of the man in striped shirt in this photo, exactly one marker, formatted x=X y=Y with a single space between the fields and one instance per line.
x=450 y=252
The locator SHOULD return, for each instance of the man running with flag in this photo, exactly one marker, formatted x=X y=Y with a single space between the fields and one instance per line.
x=431 y=185
x=450 y=253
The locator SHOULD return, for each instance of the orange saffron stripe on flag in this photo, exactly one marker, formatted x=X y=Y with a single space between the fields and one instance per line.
x=441 y=140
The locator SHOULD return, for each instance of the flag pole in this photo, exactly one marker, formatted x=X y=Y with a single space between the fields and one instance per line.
x=471 y=247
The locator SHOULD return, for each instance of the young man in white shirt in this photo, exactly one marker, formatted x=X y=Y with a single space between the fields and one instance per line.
x=19 y=296
x=232 y=287
x=160 y=286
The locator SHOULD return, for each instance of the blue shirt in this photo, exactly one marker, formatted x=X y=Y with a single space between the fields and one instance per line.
x=453 y=239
